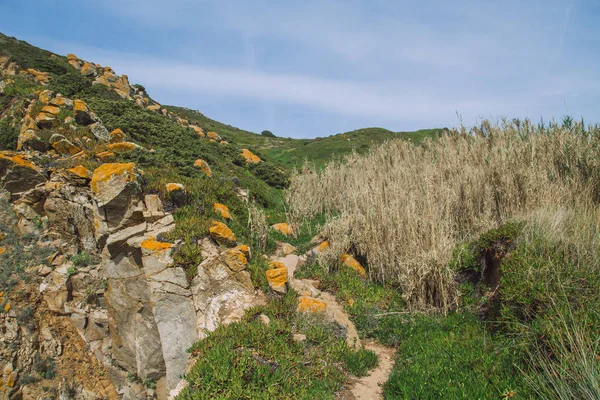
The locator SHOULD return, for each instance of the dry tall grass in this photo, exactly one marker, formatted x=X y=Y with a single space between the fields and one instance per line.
x=405 y=207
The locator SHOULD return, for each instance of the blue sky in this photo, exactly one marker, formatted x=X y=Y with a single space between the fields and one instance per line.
x=314 y=68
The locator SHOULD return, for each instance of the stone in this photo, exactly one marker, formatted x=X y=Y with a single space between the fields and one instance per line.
x=117 y=136
x=277 y=276
x=214 y=136
x=112 y=182
x=45 y=96
x=222 y=234
x=60 y=101
x=100 y=132
x=81 y=172
x=299 y=337
x=244 y=248
x=203 y=165
x=65 y=147
x=222 y=210
x=265 y=320
x=17 y=174
x=235 y=259
x=105 y=155
x=45 y=121
x=310 y=304
x=283 y=228
x=177 y=194
x=82 y=113
x=284 y=249
x=353 y=263
x=198 y=130
x=122 y=147
x=53 y=110
x=29 y=140
x=88 y=69
x=250 y=157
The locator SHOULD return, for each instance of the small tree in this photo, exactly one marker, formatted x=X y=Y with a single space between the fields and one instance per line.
x=267 y=134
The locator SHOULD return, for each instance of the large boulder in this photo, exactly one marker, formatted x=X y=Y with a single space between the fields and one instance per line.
x=18 y=174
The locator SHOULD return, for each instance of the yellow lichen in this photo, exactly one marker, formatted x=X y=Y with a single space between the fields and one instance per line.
x=154 y=245
x=173 y=187
x=277 y=275
x=203 y=165
x=223 y=210
x=250 y=157
x=353 y=263
x=122 y=147
x=81 y=172
x=310 y=304
x=283 y=228
x=106 y=171
x=51 y=110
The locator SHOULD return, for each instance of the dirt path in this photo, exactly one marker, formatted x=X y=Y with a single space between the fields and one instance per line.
x=369 y=387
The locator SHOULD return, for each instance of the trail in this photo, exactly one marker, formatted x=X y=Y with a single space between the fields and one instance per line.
x=365 y=388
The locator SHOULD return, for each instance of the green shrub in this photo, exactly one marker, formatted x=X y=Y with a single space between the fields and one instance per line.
x=8 y=135
x=84 y=259
x=267 y=134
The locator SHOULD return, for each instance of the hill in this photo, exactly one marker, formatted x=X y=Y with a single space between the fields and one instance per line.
x=290 y=152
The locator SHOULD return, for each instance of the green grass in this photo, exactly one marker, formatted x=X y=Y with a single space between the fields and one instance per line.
x=453 y=357
x=251 y=360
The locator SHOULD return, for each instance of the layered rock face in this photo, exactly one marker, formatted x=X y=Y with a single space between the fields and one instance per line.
x=145 y=311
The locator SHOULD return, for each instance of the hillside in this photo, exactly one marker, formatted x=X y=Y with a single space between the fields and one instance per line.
x=290 y=152
x=148 y=252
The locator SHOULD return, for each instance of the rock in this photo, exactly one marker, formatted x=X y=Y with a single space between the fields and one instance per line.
x=203 y=165
x=177 y=194
x=18 y=174
x=45 y=95
x=353 y=263
x=45 y=121
x=222 y=234
x=265 y=320
x=82 y=113
x=81 y=172
x=214 y=136
x=60 y=101
x=222 y=210
x=29 y=140
x=235 y=259
x=65 y=147
x=112 y=182
x=244 y=248
x=53 y=110
x=283 y=228
x=284 y=249
x=88 y=69
x=310 y=304
x=299 y=337
x=250 y=157
x=122 y=147
x=277 y=276
x=100 y=132
x=198 y=130
x=117 y=136
x=105 y=155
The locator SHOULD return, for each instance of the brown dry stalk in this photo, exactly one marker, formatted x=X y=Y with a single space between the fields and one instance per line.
x=405 y=207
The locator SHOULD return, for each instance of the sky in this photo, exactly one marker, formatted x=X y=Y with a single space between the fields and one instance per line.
x=314 y=68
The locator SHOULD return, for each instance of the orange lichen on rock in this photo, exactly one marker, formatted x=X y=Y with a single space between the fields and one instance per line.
x=18 y=160
x=122 y=147
x=79 y=105
x=154 y=245
x=323 y=246
x=223 y=210
x=244 y=248
x=2 y=250
x=277 y=276
x=7 y=307
x=250 y=156
x=51 y=110
x=174 y=187
x=104 y=155
x=235 y=259
x=214 y=136
x=72 y=56
x=283 y=228
x=106 y=171
x=81 y=172
x=117 y=136
x=222 y=234
x=45 y=96
x=198 y=130
x=154 y=107
x=203 y=165
x=353 y=263
x=310 y=304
